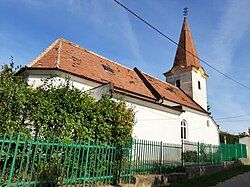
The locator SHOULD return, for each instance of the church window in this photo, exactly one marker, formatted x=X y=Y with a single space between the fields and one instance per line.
x=183 y=129
x=199 y=85
x=178 y=83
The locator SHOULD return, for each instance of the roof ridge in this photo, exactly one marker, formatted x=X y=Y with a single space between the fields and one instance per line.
x=105 y=58
x=151 y=88
x=59 y=54
x=176 y=88
x=43 y=53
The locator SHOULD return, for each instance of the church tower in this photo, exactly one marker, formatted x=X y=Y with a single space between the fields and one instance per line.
x=187 y=73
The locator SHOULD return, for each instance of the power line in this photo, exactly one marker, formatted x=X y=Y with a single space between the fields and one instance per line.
x=234 y=121
x=243 y=115
x=171 y=40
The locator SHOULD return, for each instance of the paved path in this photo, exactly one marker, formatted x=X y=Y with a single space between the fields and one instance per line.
x=242 y=180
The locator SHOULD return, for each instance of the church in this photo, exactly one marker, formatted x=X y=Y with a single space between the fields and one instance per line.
x=170 y=111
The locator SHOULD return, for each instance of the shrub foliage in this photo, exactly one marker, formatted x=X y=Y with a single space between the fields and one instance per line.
x=61 y=111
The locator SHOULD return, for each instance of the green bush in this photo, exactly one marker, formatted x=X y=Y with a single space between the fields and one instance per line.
x=61 y=111
x=190 y=156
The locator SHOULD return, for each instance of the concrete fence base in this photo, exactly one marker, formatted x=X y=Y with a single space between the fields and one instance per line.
x=197 y=171
x=245 y=161
x=191 y=172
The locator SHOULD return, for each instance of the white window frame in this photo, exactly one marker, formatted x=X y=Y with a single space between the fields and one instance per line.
x=184 y=129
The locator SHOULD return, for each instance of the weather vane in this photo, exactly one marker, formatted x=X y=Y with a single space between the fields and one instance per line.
x=185 y=12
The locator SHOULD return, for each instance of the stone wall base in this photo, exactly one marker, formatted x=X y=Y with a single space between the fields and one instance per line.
x=197 y=171
x=191 y=172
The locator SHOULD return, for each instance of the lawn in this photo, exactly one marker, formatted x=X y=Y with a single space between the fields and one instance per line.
x=212 y=179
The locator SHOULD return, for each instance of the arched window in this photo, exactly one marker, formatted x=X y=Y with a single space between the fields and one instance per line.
x=208 y=123
x=199 y=85
x=184 y=129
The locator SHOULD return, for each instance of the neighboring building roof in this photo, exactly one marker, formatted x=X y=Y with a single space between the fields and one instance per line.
x=186 y=54
x=71 y=58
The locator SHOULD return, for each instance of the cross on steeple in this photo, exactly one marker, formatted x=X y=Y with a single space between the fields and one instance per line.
x=185 y=12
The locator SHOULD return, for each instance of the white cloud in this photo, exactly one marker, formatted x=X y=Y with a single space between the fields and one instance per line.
x=234 y=24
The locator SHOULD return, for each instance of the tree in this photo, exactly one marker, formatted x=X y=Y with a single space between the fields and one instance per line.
x=230 y=138
x=14 y=101
x=61 y=111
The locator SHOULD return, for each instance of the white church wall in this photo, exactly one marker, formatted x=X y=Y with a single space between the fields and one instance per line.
x=81 y=84
x=199 y=95
x=185 y=81
x=189 y=83
x=153 y=122
x=156 y=125
x=201 y=128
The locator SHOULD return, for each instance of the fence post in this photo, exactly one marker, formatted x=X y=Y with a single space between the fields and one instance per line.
x=86 y=163
x=221 y=160
x=14 y=159
x=198 y=153
x=130 y=161
x=241 y=150
x=236 y=152
x=182 y=153
x=211 y=151
x=160 y=156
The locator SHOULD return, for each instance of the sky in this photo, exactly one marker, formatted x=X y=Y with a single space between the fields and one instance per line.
x=220 y=30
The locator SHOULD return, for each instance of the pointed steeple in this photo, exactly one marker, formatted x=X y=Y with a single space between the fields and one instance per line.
x=186 y=54
x=187 y=73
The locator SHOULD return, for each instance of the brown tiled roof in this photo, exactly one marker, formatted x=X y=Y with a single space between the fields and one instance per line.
x=71 y=58
x=172 y=93
x=186 y=52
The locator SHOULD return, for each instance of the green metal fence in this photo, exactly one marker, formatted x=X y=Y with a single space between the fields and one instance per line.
x=30 y=162
x=232 y=152
x=155 y=157
x=158 y=157
x=26 y=161
x=201 y=154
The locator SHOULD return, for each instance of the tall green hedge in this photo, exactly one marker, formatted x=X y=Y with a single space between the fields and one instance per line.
x=63 y=111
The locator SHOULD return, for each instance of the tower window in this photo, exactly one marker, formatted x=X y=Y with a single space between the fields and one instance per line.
x=178 y=83
x=199 y=85
x=183 y=129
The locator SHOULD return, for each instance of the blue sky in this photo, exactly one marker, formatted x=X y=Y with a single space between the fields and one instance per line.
x=220 y=29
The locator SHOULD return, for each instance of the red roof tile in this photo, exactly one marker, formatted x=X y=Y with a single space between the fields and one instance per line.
x=172 y=93
x=186 y=54
x=79 y=61
x=71 y=58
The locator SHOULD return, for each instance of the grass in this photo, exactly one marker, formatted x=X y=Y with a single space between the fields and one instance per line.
x=212 y=179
